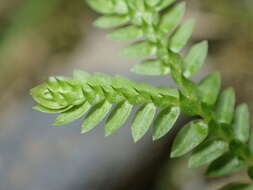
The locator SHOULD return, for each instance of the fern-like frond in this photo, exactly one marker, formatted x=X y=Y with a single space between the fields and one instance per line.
x=73 y=97
x=219 y=137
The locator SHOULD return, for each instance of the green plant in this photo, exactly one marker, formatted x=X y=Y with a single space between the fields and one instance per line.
x=220 y=137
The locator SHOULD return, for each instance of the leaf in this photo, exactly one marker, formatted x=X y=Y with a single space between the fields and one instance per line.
x=207 y=153
x=209 y=88
x=126 y=33
x=139 y=49
x=195 y=58
x=118 y=117
x=152 y=3
x=181 y=36
x=238 y=186
x=241 y=123
x=225 y=106
x=164 y=4
x=101 y=6
x=224 y=165
x=170 y=19
x=151 y=67
x=42 y=95
x=95 y=116
x=72 y=114
x=120 y=7
x=48 y=110
x=111 y=21
x=142 y=121
x=189 y=137
x=165 y=121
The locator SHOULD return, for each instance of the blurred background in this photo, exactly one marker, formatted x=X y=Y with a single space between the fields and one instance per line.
x=39 y=38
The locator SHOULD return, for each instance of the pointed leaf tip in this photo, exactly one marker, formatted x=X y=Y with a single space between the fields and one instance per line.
x=150 y=67
x=195 y=58
x=225 y=106
x=209 y=88
x=164 y=4
x=95 y=116
x=165 y=121
x=126 y=33
x=142 y=121
x=111 y=21
x=181 y=36
x=139 y=49
x=189 y=137
x=241 y=123
x=101 y=6
x=207 y=153
x=118 y=117
x=224 y=165
x=172 y=17
x=72 y=114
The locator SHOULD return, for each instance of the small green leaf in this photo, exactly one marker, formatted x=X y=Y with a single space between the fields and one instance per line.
x=120 y=7
x=72 y=114
x=209 y=88
x=137 y=5
x=111 y=21
x=165 y=121
x=189 y=137
x=181 y=36
x=241 y=123
x=164 y=4
x=207 y=153
x=126 y=33
x=139 y=49
x=195 y=58
x=224 y=165
x=118 y=117
x=225 y=106
x=237 y=186
x=101 y=6
x=48 y=110
x=152 y=3
x=151 y=67
x=95 y=116
x=170 y=19
x=142 y=121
